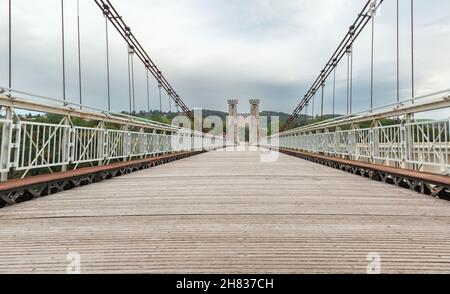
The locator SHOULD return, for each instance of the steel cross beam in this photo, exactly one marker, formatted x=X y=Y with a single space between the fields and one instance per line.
x=346 y=44
x=125 y=31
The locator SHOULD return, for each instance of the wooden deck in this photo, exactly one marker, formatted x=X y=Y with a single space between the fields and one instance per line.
x=226 y=212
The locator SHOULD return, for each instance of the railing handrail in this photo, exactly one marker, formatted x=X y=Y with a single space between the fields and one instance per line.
x=411 y=145
x=82 y=107
x=369 y=115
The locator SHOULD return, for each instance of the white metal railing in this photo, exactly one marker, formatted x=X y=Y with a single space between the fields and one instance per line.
x=5 y=151
x=36 y=145
x=39 y=145
x=116 y=144
x=28 y=145
x=389 y=144
x=419 y=104
x=431 y=143
x=33 y=145
x=88 y=144
x=419 y=143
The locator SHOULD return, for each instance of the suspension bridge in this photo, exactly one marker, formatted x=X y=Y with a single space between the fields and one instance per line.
x=130 y=195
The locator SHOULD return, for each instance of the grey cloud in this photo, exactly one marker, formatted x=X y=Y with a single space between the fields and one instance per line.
x=214 y=50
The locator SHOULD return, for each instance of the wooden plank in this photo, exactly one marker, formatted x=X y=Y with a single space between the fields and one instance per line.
x=408 y=173
x=227 y=212
x=60 y=176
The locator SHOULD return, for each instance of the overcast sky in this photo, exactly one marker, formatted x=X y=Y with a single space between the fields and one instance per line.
x=213 y=50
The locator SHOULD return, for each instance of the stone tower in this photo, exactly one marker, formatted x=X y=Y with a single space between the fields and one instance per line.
x=237 y=120
x=254 y=108
x=232 y=123
x=232 y=107
x=254 y=112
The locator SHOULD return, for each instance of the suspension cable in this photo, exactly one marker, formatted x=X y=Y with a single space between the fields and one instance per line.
x=307 y=111
x=351 y=80
x=79 y=54
x=305 y=118
x=160 y=92
x=398 y=51
x=177 y=107
x=412 y=53
x=10 y=44
x=106 y=13
x=148 y=91
x=372 y=54
x=63 y=47
x=124 y=31
x=170 y=103
x=132 y=80
x=334 y=87
x=357 y=27
x=348 y=81
x=129 y=80
x=322 y=105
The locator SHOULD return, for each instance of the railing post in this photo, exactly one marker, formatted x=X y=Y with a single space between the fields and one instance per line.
x=374 y=141
x=141 y=143
x=350 y=140
x=164 y=142
x=6 y=145
x=101 y=143
x=373 y=144
x=15 y=147
x=66 y=143
x=154 y=143
x=145 y=144
x=127 y=143
x=168 y=143
x=409 y=142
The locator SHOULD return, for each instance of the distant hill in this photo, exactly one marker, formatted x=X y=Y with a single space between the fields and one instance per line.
x=166 y=117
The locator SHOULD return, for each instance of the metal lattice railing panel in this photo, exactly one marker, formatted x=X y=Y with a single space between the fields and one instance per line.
x=420 y=144
x=116 y=144
x=362 y=146
x=430 y=143
x=88 y=144
x=28 y=145
x=137 y=143
x=388 y=144
x=41 y=145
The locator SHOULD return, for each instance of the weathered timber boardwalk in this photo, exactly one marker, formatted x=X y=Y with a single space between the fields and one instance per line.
x=226 y=212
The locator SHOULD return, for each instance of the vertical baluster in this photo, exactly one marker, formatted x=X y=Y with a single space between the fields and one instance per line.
x=429 y=133
x=77 y=144
x=42 y=153
x=47 y=141
x=447 y=129
x=420 y=141
x=60 y=135
x=55 y=135
x=30 y=147
x=24 y=136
